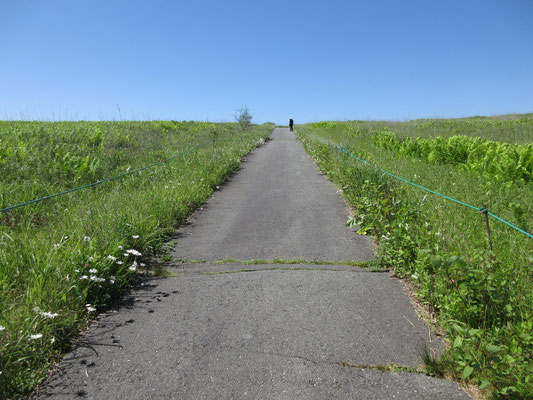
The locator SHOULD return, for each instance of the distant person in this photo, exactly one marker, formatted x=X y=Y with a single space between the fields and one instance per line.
x=291 y=123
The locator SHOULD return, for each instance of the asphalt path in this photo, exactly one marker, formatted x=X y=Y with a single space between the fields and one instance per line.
x=264 y=331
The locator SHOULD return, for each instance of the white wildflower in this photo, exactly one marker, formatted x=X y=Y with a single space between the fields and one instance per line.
x=112 y=279
x=77 y=270
x=120 y=247
x=134 y=252
x=91 y=258
x=96 y=279
x=53 y=340
x=133 y=268
x=2 y=328
x=136 y=236
x=90 y=308
x=120 y=262
x=142 y=264
x=93 y=270
x=67 y=278
x=110 y=257
x=65 y=237
x=37 y=336
x=166 y=187
x=56 y=245
x=48 y=314
x=86 y=238
x=84 y=277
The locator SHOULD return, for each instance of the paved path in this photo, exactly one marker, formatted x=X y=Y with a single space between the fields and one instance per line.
x=275 y=332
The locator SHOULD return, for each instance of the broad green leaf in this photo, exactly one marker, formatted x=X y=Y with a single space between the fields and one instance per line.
x=436 y=261
x=484 y=383
x=467 y=371
x=493 y=349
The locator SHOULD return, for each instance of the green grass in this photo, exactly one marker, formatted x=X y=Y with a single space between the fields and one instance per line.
x=289 y=261
x=483 y=299
x=63 y=259
x=517 y=128
x=236 y=271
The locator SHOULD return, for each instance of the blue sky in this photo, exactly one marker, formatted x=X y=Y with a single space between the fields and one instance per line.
x=310 y=60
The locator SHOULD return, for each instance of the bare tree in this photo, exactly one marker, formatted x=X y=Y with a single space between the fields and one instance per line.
x=244 y=118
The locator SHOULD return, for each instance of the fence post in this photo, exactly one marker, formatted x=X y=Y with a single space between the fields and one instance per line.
x=485 y=211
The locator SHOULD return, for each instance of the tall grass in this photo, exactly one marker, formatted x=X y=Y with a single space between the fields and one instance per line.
x=483 y=298
x=513 y=128
x=63 y=259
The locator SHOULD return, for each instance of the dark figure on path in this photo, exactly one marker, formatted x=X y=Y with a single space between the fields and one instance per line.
x=291 y=123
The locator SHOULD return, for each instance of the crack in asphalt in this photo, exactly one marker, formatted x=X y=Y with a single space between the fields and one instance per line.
x=384 y=368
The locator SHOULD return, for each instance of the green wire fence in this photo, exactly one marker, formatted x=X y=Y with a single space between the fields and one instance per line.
x=483 y=209
x=107 y=179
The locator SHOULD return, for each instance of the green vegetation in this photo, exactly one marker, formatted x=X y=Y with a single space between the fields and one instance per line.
x=235 y=271
x=289 y=261
x=501 y=162
x=63 y=259
x=513 y=128
x=483 y=299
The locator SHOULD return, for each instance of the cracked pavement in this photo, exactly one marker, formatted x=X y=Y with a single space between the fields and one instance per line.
x=277 y=332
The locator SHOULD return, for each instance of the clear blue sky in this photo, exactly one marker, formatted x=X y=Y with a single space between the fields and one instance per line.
x=310 y=60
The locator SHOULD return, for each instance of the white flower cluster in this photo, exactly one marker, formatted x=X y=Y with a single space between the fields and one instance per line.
x=48 y=314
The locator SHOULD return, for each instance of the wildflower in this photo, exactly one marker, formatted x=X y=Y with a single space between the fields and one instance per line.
x=65 y=237
x=452 y=280
x=142 y=264
x=93 y=270
x=37 y=336
x=133 y=252
x=120 y=247
x=91 y=258
x=90 y=308
x=53 y=340
x=56 y=246
x=120 y=262
x=2 y=328
x=96 y=279
x=110 y=257
x=83 y=277
x=77 y=270
x=136 y=236
x=133 y=266
x=112 y=279
x=67 y=278
x=48 y=314
x=166 y=187
x=86 y=238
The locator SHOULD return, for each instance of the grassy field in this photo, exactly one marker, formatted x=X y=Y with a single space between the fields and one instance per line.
x=63 y=259
x=482 y=299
